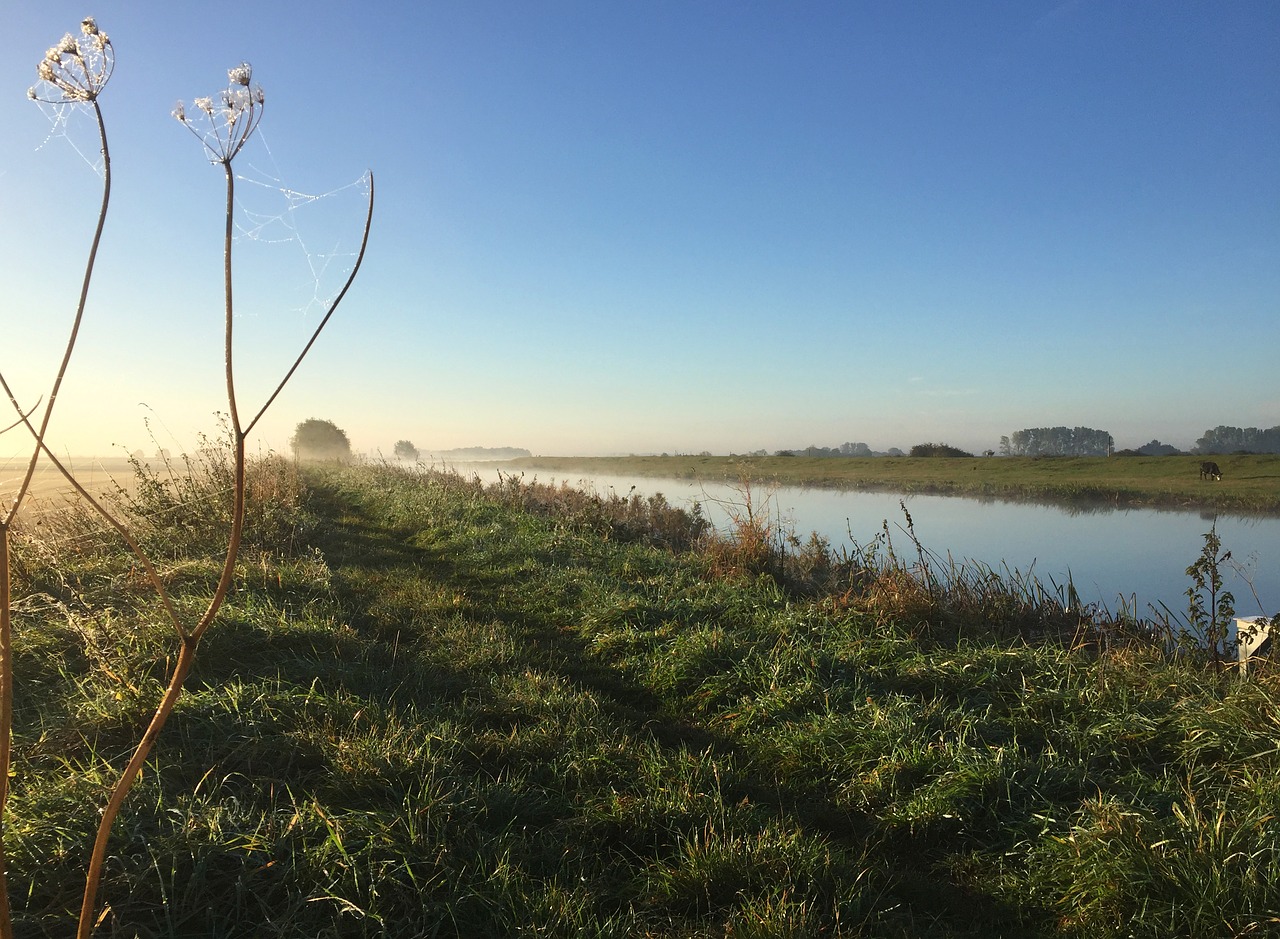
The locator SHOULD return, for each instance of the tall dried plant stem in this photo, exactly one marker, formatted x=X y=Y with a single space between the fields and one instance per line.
x=190 y=639
x=6 y=527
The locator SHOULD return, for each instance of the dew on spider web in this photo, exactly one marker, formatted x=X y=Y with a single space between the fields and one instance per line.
x=314 y=236
x=73 y=124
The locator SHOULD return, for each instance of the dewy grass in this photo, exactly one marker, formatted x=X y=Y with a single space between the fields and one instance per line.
x=448 y=713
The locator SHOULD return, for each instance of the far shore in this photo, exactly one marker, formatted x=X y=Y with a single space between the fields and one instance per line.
x=1250 y=483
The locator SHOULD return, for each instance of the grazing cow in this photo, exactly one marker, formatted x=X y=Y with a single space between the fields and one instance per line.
x=1209 y=470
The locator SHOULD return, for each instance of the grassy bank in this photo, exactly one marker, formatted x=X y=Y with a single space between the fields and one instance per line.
x=1250 y=484
x=432 y=708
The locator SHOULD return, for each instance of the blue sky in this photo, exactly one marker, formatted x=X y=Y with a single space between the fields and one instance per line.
x=644 y=227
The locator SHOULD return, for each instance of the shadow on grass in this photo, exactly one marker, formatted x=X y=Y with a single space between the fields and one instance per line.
x=380 y=578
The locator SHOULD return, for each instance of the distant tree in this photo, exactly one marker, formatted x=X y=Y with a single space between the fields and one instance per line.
x=1223 y=439
x=405 y=450
x=855 y=449
x=315 y=439
x=937 y=449
x=894 y=451
x=1006 y=449
x=1059 y=441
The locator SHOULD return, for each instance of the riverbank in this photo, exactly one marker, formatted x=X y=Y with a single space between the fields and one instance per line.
x=1250 y=484
x=435 y=707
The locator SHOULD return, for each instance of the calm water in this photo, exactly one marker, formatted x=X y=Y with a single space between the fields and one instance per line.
x=1134 y=556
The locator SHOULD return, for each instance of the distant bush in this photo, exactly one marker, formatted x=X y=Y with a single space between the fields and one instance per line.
x=937 y=449
x=315 y=439
x=1156 y=448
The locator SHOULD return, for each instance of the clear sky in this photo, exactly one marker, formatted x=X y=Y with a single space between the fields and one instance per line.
x=663 y=226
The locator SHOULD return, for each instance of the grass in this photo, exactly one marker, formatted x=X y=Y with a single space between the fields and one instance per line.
x=432 y=707
x=1250 y=483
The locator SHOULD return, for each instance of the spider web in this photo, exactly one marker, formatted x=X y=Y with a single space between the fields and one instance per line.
x=65 y=121
x=294 y=248
x=320 y=230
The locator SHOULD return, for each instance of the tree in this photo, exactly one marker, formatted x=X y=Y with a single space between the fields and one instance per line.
x=937 y=449
x=1224 y=439
x=405 y=450
x=850 y=448
x=1059 y=441
x=315 y=439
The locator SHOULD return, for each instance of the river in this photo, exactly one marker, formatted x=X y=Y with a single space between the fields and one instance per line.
x=1131 y=558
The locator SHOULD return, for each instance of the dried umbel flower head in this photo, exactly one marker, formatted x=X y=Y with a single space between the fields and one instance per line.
x=75 y=69
x=227 y=122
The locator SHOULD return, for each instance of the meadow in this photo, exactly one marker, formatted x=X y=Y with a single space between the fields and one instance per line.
x=1250 y=482
x=431 y=707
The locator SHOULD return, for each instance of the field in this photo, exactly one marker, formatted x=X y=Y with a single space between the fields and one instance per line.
x=1250 y=483
x=435 y=708
x=50 y=489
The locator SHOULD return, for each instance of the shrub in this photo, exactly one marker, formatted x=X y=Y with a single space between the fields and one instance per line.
x=314 y=439
x=937 y=449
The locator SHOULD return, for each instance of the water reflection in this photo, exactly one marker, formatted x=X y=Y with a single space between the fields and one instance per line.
x=1115 y=555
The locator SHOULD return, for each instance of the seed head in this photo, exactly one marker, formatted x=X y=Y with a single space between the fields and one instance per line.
x=231 y=118
x=73 y=71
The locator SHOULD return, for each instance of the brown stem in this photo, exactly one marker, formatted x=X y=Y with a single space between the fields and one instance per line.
x=23 y=416
x=226 y=290
x=6 y=650
x=75 y=326
x=93 y=878
x=191 y=640
x=364 y=243
x=233 y=543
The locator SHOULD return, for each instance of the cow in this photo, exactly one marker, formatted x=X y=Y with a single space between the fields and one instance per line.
x=1209 y=470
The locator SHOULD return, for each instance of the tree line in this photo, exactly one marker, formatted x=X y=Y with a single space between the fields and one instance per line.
x=1223 y=439
x=1057 y=441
